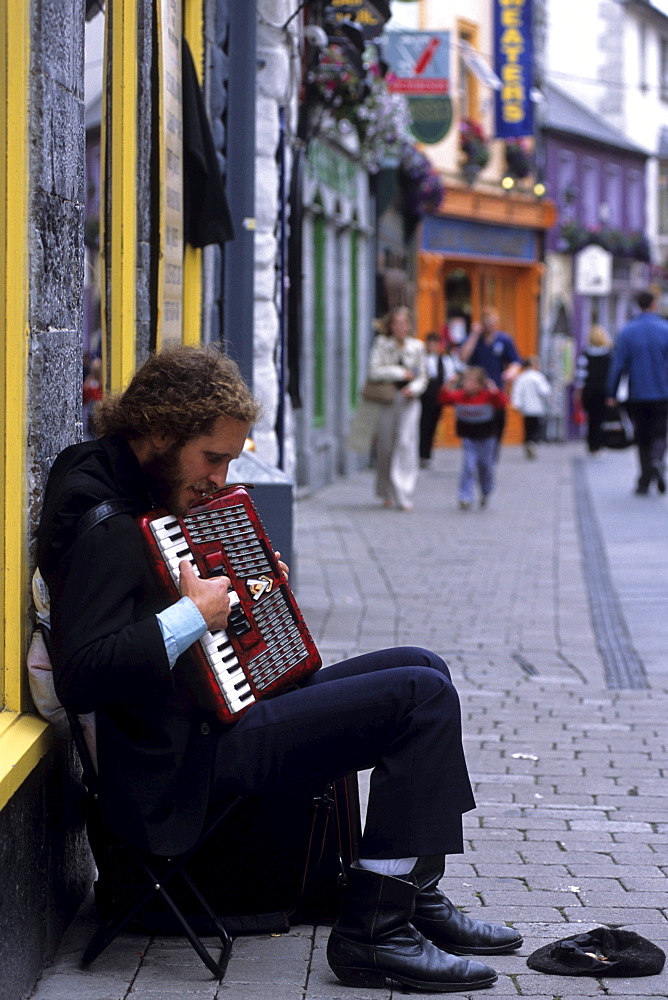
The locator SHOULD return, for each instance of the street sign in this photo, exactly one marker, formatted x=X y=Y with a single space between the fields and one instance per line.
x=419 y=64
x=593 y=271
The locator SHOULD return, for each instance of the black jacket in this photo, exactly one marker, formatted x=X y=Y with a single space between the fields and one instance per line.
x=154 y=745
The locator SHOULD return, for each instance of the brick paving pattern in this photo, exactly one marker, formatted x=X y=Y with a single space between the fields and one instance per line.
x=570 y=829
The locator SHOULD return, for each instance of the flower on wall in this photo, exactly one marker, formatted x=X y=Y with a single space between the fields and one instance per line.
x=422 y=186
x=574 y=236
x=473 y=143
x=382 y=121
x=335 y=83
x=519 y=157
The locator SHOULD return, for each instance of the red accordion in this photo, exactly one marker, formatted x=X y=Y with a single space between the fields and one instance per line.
x=266 y=646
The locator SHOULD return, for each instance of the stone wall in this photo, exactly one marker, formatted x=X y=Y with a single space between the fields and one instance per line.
x=44 y=862
x=277 y=87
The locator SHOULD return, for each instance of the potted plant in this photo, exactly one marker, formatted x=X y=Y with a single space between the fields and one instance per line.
x=382 y=121
x=519 y=157
x=335 y=84
x=423 y=189
x=473 y=144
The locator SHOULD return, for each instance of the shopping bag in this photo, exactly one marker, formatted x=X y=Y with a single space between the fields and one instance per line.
x=617 y=428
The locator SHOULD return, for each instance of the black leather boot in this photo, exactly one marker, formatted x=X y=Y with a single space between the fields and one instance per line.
x=373 y=941
x=438 y=919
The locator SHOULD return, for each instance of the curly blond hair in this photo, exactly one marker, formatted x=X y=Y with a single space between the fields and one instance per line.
x=179 y=392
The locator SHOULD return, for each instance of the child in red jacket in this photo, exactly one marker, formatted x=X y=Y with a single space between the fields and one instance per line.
x=475 y=404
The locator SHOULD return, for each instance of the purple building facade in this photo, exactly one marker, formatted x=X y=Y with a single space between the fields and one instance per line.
x=597 y=179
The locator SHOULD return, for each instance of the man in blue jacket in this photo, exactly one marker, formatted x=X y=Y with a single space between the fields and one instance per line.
x=641 y=352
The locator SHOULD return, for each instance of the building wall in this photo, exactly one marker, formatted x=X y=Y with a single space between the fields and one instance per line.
x=45 y=870
x=44 y=864
x=434 y=15
x=614 y=68
x=277 y=88
x=337 y=318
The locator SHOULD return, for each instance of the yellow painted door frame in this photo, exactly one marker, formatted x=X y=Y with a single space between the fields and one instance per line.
x=193 y=32
x=14 y=174
x=23 y=738
x=119 y=189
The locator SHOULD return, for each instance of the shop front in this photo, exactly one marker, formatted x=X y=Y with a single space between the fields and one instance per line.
x=486 y=252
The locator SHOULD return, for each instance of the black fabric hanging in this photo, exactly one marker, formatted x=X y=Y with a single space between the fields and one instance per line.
x=206 y=214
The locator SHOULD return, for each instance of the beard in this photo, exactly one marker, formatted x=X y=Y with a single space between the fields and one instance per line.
x=163 y=473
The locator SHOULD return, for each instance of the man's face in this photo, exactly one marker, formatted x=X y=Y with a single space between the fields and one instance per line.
x=182 y=474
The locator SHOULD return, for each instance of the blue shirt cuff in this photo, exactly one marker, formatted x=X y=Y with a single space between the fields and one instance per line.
x=181 y=624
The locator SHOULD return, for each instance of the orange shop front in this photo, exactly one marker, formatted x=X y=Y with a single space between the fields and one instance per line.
x=490 y=255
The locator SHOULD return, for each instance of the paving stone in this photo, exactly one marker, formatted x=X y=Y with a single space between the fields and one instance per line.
x=591 y=848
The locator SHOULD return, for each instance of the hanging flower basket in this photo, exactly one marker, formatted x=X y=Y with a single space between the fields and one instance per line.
x=335 y=84
x=473 y=144
x=423 y=189
x=519 y=158
x=382 y=121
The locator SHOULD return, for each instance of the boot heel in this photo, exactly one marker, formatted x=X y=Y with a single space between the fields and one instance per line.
x=359 y=977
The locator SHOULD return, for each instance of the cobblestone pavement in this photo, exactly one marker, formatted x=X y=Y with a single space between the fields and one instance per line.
x=549 y=606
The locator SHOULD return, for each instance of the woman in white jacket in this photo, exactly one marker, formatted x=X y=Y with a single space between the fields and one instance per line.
x=398 y=357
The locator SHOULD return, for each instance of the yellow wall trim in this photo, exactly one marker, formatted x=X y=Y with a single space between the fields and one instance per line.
x=193 y=31
x=14 y=173
x=24 y=739
x=122 y=188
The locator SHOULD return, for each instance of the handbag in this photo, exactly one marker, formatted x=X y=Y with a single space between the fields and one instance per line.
x=617 y=428
x=379 y=392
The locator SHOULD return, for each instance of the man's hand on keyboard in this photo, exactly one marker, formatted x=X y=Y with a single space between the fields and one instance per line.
x=210 y=595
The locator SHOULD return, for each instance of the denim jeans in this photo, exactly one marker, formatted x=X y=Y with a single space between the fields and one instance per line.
x=477 y=464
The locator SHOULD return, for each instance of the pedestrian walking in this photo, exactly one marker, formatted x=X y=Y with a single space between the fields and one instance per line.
x=530 y=395
x=591 y=377
x=493 y=350
x=476 y=405
x=430 y=406
x=641 y=353
x=398 y=359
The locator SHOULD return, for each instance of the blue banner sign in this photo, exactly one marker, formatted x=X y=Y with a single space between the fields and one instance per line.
x=513 y=63
x=460 y=237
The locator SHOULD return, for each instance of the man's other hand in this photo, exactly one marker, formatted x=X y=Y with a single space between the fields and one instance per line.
x=209 y=596
x=284 y=568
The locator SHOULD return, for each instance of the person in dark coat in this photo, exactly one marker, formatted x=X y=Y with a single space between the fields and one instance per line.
x=641 y=353
x=495 y=351
x=591 y=378
x=121 y=649
x=431 y=408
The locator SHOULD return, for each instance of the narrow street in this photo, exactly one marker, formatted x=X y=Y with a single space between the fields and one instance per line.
x=565 y=716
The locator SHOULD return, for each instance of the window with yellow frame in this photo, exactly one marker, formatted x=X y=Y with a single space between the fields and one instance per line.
x=468 y=93
x=23 y=737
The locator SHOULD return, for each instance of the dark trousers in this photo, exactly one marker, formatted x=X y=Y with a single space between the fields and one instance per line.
x=499 y=428
x=429 y=417
x=532 y=429
x=650 y=422
x=596 y=409
x=396 y=711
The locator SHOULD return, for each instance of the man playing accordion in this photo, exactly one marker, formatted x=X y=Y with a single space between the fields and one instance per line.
x=121 y=650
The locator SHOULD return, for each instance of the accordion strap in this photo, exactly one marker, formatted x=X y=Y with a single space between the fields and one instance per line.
x=101 y=511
